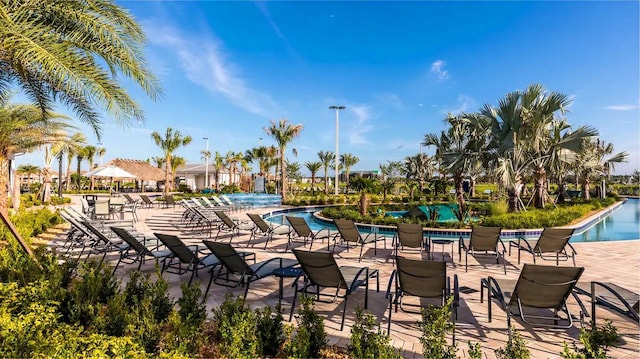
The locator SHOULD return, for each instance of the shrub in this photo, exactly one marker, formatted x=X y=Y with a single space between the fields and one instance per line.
x=270 y=331
x=184 y=330
x=310 y=337
x=367 y=342
x=516 y=347
x=31 y=223
x=595 y=343
x=435 y=326
x=234 y=329
x=475 y=350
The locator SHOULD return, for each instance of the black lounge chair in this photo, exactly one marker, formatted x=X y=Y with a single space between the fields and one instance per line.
x=611 y=296
x=538 y=287
x=321 y=271
x=484 y=241
x=188 y=257
x=267 y=230
x=234 y=263
x=147 y=202
x=230 y=226
x=301 y=230
x=551 y=245
x=140 y=249
x=410 y=235
x=423 y=279
x=169 y=201
x=349 y=234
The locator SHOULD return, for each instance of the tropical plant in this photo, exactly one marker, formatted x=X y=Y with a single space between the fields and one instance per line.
x=218 y=166
x=348 y=160
x=390 y=172
x=370 y=342
x=80 y=156
x=101 y=152
x=326 y=157
x=283 y=133
x=596 y=158
x=28 y=170
x=90 y=151
x=313 y=167
x=176 y=162
x=171 y=141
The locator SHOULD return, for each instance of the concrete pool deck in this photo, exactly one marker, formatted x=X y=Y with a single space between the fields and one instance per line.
x=617 y=262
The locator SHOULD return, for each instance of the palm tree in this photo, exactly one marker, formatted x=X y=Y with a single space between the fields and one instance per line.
x=171 y=141
x=176 y=161
x=90 y=151
x=231 y=160
x=389 y=173
x=283 y=133
x=596 y=158
x=326 y=157
x=28 y=170
x=101 y=152
x=69 y=146
x=348 y=160
x=313 y=167
x=157 y=160
x=49 y=149
x=293 y=171
x=74 y=51
x=80 y=156
x=206 y=154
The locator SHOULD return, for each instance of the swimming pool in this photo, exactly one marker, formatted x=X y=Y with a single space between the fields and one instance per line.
x=621 y=223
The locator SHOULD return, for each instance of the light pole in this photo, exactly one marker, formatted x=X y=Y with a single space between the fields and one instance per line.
x=337 y=108
x=206 y=164
x=260 y=141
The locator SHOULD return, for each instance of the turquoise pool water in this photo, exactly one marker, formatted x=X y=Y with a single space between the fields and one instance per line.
x=622 y=223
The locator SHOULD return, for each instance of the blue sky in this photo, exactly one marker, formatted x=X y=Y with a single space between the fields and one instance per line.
x=228 y=68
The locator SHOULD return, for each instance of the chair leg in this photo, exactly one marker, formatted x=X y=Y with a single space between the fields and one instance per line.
x=293 y=305
x=208 y=285
x=389 y=323
x=344 y=311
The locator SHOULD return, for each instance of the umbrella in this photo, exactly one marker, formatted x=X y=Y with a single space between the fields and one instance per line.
x=111 y=172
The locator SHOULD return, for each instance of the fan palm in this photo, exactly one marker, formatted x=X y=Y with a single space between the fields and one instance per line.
x=90 y=151
x=218 y=166
x=69 y=145
x=171 y=141
x=326 y=157
x=347 y=161
x=283 y=133
x=313 y=167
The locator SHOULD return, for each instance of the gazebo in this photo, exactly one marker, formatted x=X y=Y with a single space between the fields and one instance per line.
x=141 y=169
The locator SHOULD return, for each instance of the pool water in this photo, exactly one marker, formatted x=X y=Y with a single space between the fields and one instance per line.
x=445 y=212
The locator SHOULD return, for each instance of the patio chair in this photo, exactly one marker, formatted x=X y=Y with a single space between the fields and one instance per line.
x=189 y=256
x=147 y=202
x=103 y=244
x=140 y=249
x=537 y=288
x=267 y=230
x=235 y=263
x=551 y=245
x=322 y=272
x=410 y=235
x=230 y=226
x=611 y=296
x=422 y=279
x=102 y=210
x=349 y=234
x=169 y=201
x=222 y=205
x=300 y=228
x=484 y=241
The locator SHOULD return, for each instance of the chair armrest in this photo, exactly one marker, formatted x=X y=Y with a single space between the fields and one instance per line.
x=495 y=291
x=391 y=279
x=573 y=250
x=504 y=249
x=357 y=278
x=461 y=245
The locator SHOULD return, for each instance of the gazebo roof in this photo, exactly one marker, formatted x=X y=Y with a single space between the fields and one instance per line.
x=142 y=169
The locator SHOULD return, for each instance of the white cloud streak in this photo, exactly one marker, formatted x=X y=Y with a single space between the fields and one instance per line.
x=437 y=68
x=465 y=104
x=361 y=128
x=205 y=64
x=621 y=107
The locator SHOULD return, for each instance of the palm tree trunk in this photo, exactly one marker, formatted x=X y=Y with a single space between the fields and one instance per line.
x=457 y=180
x=326 y=182
x=283 y=175
x=4 y=184
x=45 y=191
x=167 y=164
x=539 y=197
x=364 y=204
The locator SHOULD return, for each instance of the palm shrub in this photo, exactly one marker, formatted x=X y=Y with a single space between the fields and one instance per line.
x=369 y=342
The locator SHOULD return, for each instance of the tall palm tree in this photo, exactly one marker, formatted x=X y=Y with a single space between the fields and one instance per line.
x=69 y=146
x=29 y=170
x=348 y=160
x=90 y=151
x=283 y=133
x=206 y=155
x=595 y=159
x=313 y=167
x=101 y=152
x=326 y=157
x=176 y=161
x=80 y=156
x=390 y=172
x=157 y=160
x=49 y=149
x=171 y=141
x=75 y=52
x=218 y=166
x=232 y=159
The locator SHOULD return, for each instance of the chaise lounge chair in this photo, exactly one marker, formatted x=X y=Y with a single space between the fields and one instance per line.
x=321 y=271
x=301 y=230
x=423 y=279
x=230 y=226
x=188 y=257
x=140 y=250
x=551 y=245
x=537 y=288
x=349 y=234
x=410 y=235
x=267 y=230
x=484 y=241
x=611 y=296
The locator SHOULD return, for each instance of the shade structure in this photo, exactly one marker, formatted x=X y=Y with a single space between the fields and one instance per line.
x=109 y=171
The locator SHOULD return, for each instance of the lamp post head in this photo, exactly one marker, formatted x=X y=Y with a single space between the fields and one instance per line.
x=336 y=107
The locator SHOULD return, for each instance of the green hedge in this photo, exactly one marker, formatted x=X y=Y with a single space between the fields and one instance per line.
x=31 y=223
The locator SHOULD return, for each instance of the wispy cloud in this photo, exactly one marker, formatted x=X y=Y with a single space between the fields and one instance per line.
x=262 y=6
x=204 y=63
x=362 y=127
x=437 y=68
x=390 y=99
x=621 y=107
x=464 y=104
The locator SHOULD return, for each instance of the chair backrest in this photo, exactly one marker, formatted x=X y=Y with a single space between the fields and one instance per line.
x=229 y=257
x=101 y=236
x=128 y=198
x=348 y=230
x=553 y=240
x=85 y=205
x=177 y=247
x=545 y=286
x=410 y=235
x=101 y=208
x=130 y=240
x=169 y=200
x=225 y=219
x=259 y=222
x=300 y=226
x=146 y=199
x=320 y=268
x=426 y=279
x=485 y=238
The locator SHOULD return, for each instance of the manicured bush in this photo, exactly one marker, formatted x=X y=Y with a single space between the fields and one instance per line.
x=30 y=223
x=436 y=326
x=310 y=338
x=367 y=341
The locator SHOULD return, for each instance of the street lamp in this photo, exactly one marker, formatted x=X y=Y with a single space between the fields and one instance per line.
x=337 y=108
x=206 y=164
x=260 y=141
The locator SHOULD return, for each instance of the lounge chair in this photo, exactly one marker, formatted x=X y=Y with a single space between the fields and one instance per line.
x=169 y=201
x=140 y=249
x=188 y=257
x=538 y=287
x=230 y=226
x=147 y=202
x=349 y=234
x=423 y=279
x=301 y=230
x=410 y=235
x=103 y=243
x=265 y=229
x=484 y=241
x=234 y=263
x=551 y=245
x=611 y=296
x=321 y=271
